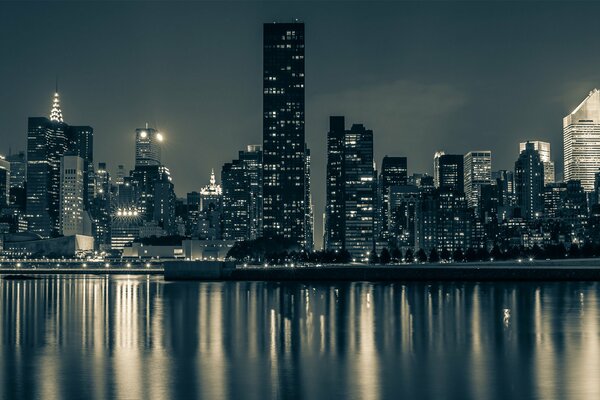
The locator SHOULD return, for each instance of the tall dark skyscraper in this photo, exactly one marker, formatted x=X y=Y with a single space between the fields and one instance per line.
x=242 y=195
x=393 y=173
x=46 y=144
x=529 y=182
x=451 y=172
x=335 y=214
x=284 y=148
x=80 y=141
x=350 y=213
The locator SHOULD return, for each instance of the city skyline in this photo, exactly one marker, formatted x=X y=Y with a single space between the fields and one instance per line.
x=110 y=124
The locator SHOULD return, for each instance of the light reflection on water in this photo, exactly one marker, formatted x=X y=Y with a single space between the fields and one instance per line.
x=99 y=337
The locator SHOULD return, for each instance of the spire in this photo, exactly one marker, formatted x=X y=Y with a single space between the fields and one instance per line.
x=213 y=180
x=56 y=112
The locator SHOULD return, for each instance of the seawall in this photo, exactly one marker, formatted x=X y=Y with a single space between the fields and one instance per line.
x=556 y=270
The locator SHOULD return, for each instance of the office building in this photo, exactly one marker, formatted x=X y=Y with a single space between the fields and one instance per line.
x=148 y=146
x=71 y=196
x=529 y=183
x=451 y=172
x=477 y=172
x=546 y=156
x=284 y=147
x=581 y=130
x=436 y=168
x=393 y=173
x=335 y=211
x=46 y=144
x=351 y=180
x=4 y=182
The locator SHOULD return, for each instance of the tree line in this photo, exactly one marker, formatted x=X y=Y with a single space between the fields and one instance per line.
x=283 y=251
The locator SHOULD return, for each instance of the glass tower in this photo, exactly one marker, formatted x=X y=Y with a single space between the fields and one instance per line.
x=284 y=148
x=581 y=134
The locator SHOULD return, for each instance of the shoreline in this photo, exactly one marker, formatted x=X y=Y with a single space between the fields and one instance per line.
x=542 y=270
x=537 y=270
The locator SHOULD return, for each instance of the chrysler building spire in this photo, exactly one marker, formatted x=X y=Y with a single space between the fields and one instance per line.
x=56 y=112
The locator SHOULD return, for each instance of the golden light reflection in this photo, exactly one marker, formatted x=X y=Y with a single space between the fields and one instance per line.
x=98 y=337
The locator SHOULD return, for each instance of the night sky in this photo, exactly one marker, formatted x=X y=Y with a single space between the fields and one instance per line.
x=424 y=76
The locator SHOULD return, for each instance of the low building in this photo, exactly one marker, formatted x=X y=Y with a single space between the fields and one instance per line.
x=31 y=245
x=206 y=249
x=141 y=250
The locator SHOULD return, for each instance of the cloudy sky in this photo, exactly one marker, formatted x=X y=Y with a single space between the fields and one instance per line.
x=425 y=76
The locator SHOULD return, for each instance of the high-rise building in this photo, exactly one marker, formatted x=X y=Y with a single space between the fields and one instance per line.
x=18 y=169
x=546 y=156
x=308 y=209
x=80 y=141
x=101 y=209
x=403 y=207
x=4 y=182
x=478 y=172
x=71 y=195
x=351 y=179
x=236 y=201
x=529 y=182
x=359 y=191
x=451 y=172
x=596 y=196
x=581 y=130
x=393 y=173
x=252 y=159
x=46 y=144
x=436 y=167
x=335 y=209
x=554 y=198
x=211 y=200
x=148 y=145
x=284 y=146
x=444 y=220
x=48 y=140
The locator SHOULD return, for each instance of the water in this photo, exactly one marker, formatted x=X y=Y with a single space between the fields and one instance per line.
x=96 y=337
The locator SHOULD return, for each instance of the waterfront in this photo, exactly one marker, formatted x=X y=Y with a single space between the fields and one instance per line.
x=97 y=337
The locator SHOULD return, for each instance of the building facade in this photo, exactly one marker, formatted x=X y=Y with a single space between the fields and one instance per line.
x=581 y=134
x=477 y=173
x=546 y=156
x=284 y=146
x=529 y=183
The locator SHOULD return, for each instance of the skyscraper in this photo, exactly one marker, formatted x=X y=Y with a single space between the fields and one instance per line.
x=596 y=197
x=451 y=172
x=71 y=195
x=359 y=191
x=253 y=159
x=80 y=141
x=335 y=211
x=211 y=200
x=4 y=182
x=581 y=130
x=546 y=156
x=529 y=182
x=436 y=168
x=478 y=172
x=350 y=213
x=236 y=201
x=393 y=173
x=284 y=147
x=18 y=175
x=148 y=144
x=46 y=144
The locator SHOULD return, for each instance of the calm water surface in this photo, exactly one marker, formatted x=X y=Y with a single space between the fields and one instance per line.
x=93 y=337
